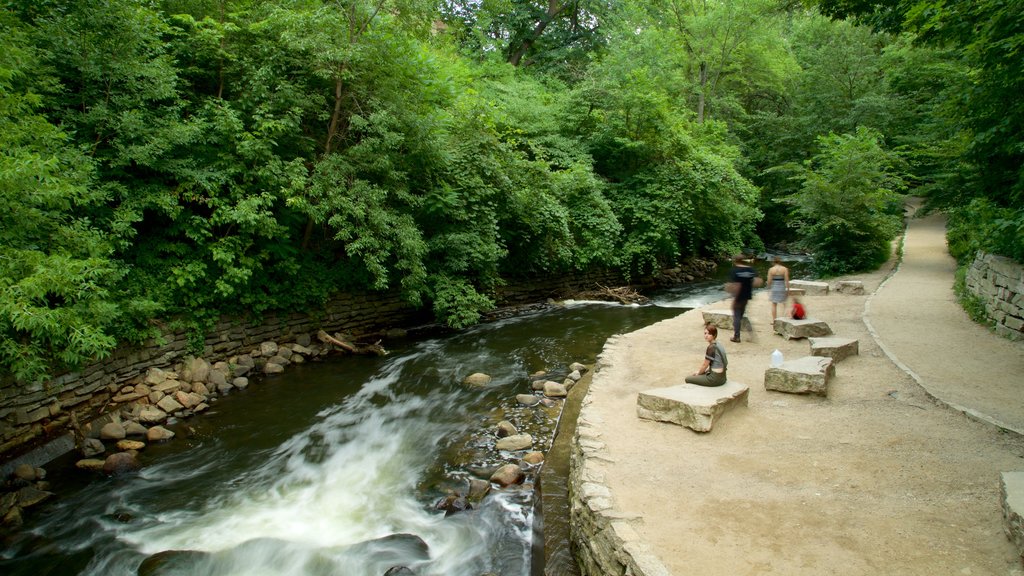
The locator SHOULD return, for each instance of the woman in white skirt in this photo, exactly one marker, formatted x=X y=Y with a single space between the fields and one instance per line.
x=778 y=284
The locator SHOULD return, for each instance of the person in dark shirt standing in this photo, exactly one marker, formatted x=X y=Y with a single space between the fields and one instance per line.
x=744 y=279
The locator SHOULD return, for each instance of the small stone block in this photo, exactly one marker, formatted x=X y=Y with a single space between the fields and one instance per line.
x=790 y=328
x=723 y=320
x=696 y=407
x=834 y=347
x=1011 y=499
x=807 y=375
x=855 y=287
x=797 y=292
x=810 y=288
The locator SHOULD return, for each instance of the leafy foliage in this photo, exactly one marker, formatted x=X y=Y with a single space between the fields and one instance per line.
x=847 y=208
x=168 y=162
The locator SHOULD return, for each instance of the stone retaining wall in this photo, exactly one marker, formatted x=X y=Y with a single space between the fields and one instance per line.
x=32 y=414
x=999 y=283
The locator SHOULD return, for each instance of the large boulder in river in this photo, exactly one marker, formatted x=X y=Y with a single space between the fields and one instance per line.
x=477 y=379
x=120 y=463
x=508 y=475
x=506 y=428
x=514 y=442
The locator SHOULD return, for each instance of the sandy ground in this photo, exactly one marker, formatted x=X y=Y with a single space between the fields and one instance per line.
x=877 y=478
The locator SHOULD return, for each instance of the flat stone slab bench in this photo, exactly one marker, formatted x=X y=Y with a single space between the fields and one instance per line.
x=810 y=288
x=834 y=347
x=807 y=375
x=790 y=328
x=696 y=407
x=855 y=287
x=723 y=320
x=1011 y=499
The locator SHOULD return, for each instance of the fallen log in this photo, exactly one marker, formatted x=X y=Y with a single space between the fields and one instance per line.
x=622 y=295
x=337 y=341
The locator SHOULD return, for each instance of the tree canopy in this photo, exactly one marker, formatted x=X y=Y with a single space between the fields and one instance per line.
x=166 y=162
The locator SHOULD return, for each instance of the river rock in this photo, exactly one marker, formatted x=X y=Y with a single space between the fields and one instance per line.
x=159 y=434
x=506 y=428
x=575 y=375
x=92 y=447
x=30 y=496
x=538 y=385
x=152 y=415
x=197 y=369
x=25 y=472
x=186 y=399
x=125 y=445
x=400 y=570
x=577 y=367
x=155 y=376
x=534 y=457
x=120 y=463
x=508 y=475
x=268 y=349
x=272 y=368
x=477 y=379
x=90 y=464
x=216 y=378
x=201 y=389
x=112 y=431
x=555 y=390
x=478 y=489
x=169 y=405
x=240 y=369
x=527 y=399
x=515 y=442
x=133 y=428
x=241 y=382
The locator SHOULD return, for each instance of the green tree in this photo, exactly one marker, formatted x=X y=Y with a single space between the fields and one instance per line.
x=57 y=303
x=847 y=209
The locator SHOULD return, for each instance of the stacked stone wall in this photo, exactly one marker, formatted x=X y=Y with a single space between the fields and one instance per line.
x=999 y=283
x=32 y=414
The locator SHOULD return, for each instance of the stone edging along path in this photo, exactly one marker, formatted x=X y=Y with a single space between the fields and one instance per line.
x=613 y=517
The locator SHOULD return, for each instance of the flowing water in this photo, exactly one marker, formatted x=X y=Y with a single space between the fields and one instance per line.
x=335 y=467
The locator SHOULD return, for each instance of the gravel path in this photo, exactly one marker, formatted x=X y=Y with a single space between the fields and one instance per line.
x=877 y=478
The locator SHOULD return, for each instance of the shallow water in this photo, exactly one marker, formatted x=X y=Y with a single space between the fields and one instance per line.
x=335 y=467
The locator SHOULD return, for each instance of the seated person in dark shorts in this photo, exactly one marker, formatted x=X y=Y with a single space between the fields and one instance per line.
x=712 y=369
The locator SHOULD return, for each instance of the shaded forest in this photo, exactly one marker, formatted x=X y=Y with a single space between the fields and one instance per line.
x=166 y=162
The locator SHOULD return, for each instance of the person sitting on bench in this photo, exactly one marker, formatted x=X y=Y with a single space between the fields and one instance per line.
x=712 y=369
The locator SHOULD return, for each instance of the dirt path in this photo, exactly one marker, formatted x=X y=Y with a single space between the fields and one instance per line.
x=876 y=479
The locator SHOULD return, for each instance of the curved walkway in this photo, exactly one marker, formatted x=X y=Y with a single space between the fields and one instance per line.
x=916 y=320
x=876 y=478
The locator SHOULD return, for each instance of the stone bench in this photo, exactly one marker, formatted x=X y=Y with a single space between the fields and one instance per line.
x=690 y=405
x=834 y=347
x=807 y=375
x=1011 y=499
x=810 y=288
x=790 y=328
x=723 y=320
x=855 y=287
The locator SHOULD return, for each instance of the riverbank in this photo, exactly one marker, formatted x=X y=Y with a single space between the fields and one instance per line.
x=877 y=478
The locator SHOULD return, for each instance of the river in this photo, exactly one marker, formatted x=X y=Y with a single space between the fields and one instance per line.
x=334 y=467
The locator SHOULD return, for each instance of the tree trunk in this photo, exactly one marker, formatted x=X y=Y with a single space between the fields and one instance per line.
x=700 y=92
x=554 y=9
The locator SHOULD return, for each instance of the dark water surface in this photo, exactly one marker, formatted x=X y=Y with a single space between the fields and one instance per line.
x=314 y=471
